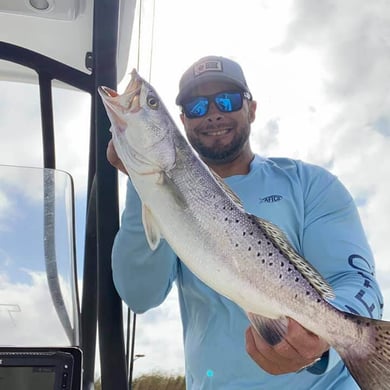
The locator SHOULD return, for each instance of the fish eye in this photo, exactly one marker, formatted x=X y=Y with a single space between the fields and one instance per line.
x=152 y=102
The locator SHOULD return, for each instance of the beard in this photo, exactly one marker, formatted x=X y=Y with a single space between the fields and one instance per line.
x=219 y=152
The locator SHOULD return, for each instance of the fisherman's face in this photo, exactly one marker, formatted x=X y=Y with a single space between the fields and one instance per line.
x=220 y=137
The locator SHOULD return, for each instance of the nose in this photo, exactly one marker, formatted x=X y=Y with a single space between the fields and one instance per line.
x=214 y=114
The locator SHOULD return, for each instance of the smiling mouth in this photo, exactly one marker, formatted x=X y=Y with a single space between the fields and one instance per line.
x=214 y=133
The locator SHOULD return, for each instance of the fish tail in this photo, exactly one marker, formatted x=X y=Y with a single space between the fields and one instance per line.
x=368 y=361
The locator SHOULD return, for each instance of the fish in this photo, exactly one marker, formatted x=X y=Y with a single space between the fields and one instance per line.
x=243 y=257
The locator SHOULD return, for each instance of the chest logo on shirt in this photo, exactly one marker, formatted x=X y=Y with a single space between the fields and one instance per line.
x=271 y=199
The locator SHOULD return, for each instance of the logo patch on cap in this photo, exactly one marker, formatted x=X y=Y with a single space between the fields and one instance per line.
x=206 y=66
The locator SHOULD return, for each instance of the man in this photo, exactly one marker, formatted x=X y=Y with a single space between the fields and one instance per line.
x=308 y=203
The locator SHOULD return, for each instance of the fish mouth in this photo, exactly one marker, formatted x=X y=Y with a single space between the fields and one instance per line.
x=108 y=92
x=129 y=100
x=135 y=84
x=133 y=92
x=133 y=88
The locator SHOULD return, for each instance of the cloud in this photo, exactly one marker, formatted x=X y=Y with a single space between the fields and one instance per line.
x=353 y=40
x=343 y=49
x=22 y=136
x=7 y=208
x=159 y=338
x=27 y=314
x=20 y=123
x=267 y=137
x=72 y=121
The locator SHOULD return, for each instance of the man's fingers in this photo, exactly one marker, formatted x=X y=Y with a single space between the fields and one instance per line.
x=254 y=348
x=308 y=345
x=298 y=350
x=268 y=358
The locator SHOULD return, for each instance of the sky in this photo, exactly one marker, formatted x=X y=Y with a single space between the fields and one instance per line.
x=319 y=72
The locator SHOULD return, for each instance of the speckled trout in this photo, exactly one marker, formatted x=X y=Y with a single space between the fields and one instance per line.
x=244 y=258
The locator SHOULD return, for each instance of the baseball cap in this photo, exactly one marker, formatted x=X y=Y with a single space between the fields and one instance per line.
x=211 y=68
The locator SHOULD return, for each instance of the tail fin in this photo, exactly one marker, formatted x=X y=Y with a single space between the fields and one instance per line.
x=371 y=369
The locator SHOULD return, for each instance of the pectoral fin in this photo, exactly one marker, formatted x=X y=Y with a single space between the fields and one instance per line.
x=272 y=331
x=152 y=230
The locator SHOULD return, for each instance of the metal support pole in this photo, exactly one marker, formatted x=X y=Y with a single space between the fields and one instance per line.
x=110 y=320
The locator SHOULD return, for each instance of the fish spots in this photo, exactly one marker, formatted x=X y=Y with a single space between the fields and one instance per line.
x=275 y=236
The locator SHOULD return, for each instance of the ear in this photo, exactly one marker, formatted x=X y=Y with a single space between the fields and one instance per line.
x=252 y=105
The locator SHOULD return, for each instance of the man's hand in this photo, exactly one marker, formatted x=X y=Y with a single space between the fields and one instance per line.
x=113 y=158
x=299 y=349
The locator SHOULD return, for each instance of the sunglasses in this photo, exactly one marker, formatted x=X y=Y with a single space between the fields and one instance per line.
x=228 y=101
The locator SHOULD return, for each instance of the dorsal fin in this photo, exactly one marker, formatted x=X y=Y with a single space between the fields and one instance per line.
x=227 y=189
x=276 y=235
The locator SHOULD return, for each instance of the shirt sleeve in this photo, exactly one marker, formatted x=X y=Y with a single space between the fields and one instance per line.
x=334 y=241
x=142 y=277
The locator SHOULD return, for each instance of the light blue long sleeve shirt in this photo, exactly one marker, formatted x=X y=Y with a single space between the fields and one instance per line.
x=319 y=217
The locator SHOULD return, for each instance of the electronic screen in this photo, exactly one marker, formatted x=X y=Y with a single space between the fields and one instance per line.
x=27 y=378
x=40 y=369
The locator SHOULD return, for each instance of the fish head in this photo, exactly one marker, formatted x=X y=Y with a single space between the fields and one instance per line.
x=143 y=131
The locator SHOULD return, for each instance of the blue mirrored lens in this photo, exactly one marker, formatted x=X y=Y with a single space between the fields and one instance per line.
x=228 y=101
x=225 y=102
x=197 y=107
